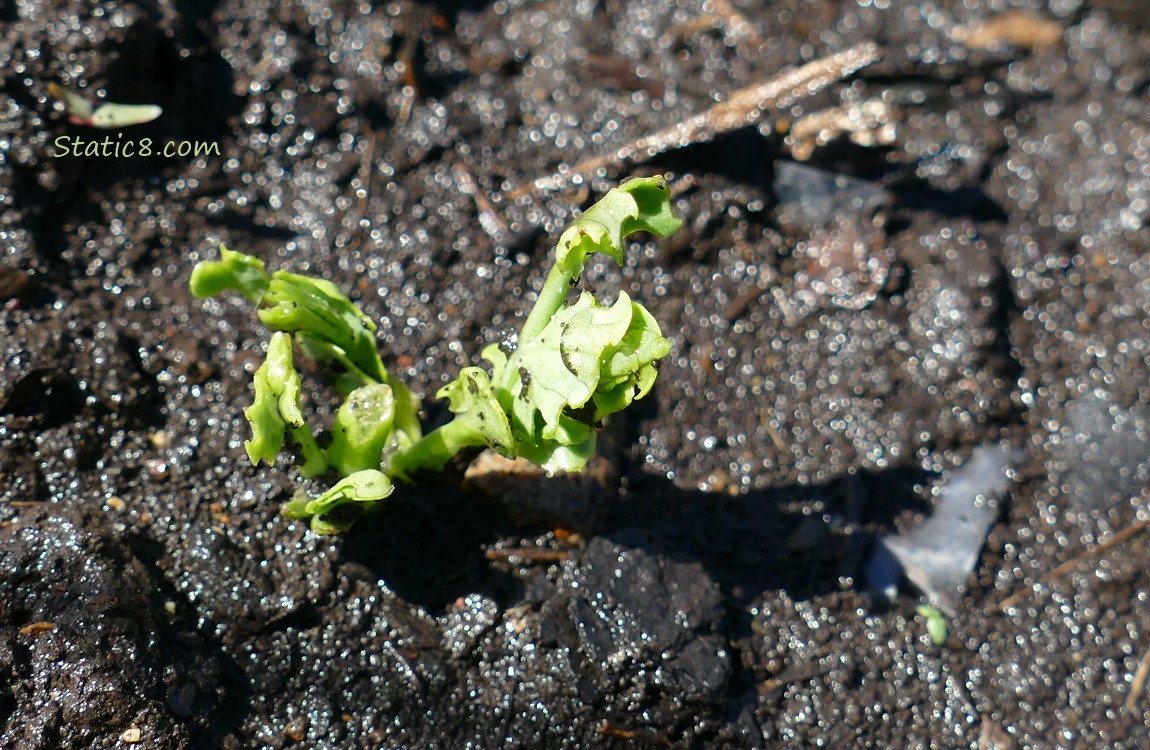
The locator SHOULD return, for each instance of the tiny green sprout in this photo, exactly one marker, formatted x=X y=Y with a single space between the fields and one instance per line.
x=277 y=410
x=936 y=626
x=108 y=115
x=233 y=271
x=363 y=428
x=573 y=365
x=337 y=509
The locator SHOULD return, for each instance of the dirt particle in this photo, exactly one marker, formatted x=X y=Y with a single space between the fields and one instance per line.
x=36 y=628
x=14 y=284
x=296 y=730
x=158 y=469
x=1014 y=27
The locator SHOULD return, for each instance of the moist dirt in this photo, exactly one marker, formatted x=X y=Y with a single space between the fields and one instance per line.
x=986 y=281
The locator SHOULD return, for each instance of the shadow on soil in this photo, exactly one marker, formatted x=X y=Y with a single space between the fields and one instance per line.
x=750 y=543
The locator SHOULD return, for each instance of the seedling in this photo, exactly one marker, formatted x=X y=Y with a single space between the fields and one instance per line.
x=108 y=115
x=936 y=626
x=540 y=398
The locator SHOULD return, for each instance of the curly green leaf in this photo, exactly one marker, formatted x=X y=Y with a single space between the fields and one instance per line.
x=316 y=309
x=573 y=365
x=479 y=421
x=331 y=329
x=337 y=509
x=362 y=429
x=640 y=204
x=234 y=271
x=276 y=410
x=588 y=362
x=631 y=367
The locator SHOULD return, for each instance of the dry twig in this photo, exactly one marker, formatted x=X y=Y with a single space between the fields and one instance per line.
x=527 y=555
x=1070 y=564
x=744 y=107
x=489 y=218
x=735 y=25
x=1139 y=682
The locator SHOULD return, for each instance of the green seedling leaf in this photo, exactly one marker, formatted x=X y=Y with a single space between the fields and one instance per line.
x=479 y=421
x=276 y=383
x=586 y=347
x=331 y=329
x=315 y=308
x=573 y=365
x=77 y=106
x=276 y=411
x=481 y=418
x=936 y=626
x=111 y=116
x=362 y=429
x=328 y=328
x=559 y=370
x=588 y=362
x=234 y=271
x=406 y=424
x=640 y=204
x=337 y=509
x=108 y=115
x=631 y=366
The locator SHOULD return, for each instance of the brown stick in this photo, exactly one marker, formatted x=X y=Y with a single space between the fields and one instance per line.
x=1069 y=565
x=744 y=107
x=794 y=674
x=1139 y=682
x=527 y=554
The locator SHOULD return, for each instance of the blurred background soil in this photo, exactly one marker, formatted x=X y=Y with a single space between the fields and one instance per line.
x=983 y=278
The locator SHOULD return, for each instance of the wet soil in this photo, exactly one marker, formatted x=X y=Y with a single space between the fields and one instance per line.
x=712 y=593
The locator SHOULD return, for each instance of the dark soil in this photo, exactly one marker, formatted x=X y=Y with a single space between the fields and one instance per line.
x=714 y=594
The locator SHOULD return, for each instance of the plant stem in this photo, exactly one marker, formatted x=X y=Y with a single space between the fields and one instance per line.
x=435 y=449
x=551 y=298
x=312 y=458
x=361 y=429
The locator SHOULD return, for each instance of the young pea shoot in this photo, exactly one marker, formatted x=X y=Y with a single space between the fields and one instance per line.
x=573 y=365
x=108 y=115
x=936 y=626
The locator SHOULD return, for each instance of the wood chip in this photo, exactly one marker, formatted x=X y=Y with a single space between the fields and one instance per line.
x=991 y=736
x=36 y=628
x=736 y=26
x=1014 y=27
x=867 y=124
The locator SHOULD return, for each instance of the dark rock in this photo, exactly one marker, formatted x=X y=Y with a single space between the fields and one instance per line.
x=77 y=643
x=15 y=284
x=644 y=635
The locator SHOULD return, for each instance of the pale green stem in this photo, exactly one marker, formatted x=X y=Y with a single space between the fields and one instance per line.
x=551 y=300
x=313 y=462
